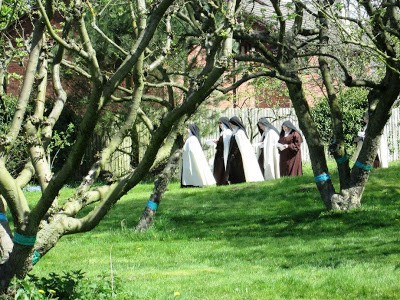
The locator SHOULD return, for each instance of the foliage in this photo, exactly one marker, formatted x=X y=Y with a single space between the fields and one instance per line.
x=71 y=285
x=11 y=10
x=247 y=241
x=353 y=104
x=7 y=106
x=16 y=156
x=59 y=141
x=269 y=92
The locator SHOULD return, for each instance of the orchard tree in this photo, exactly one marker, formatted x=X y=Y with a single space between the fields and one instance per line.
x=289 y=36
x=158 y=30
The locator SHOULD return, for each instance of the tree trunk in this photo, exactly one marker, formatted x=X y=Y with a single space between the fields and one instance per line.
x=160 y=186
x=18 y=264
x=317 y=153
x=348 y=198
x=6 y=243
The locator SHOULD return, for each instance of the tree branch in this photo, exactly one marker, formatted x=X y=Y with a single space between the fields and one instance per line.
x=73 y=47
x=102 y=34
x=138 y=48
x=166 y=49
x=282 y=29
x=26 y=89
x=245 y=78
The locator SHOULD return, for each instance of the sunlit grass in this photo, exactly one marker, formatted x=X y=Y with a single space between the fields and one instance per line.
x=272 y=240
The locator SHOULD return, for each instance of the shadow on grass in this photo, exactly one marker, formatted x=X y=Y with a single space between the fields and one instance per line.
x=287 y=207
x=274 y=214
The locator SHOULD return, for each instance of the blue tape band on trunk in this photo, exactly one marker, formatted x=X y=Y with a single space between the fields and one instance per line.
x=3 y=217
x=24 y=240
x=152 y=205
x=365 y=167
x=322 y=177
x=342 y=160
x=35 y=257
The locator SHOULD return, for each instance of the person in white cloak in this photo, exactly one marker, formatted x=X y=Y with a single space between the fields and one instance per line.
x=267 y=152
x=381 y=160
x=195 y=169
x=242 y=165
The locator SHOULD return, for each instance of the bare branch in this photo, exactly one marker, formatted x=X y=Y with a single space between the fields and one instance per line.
x=102 y=34
x=77 y=69
x=172 y=84
x=246 y=78
x=282 y=28
x=166 y=48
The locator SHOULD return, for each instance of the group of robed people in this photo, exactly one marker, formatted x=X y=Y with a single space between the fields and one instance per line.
x=236 y=161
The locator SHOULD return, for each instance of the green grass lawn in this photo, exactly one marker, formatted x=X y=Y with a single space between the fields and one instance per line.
x=272 y=240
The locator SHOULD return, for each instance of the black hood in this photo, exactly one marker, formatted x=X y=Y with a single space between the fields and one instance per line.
x=194 y=130
x=236 y=121
x=225 y=121
x=267 y=124
x=290 y=125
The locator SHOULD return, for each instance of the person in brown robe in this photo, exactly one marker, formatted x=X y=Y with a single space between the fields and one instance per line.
x=222 y=151
x=289 y=149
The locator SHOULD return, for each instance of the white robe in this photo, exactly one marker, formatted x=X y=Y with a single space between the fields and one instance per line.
x=226 y=137
x=251 y=168
x=195 y=169
x=383 y=149
x=271 y=155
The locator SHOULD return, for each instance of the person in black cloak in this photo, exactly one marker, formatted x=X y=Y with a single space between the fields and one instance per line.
x=242 y=165
x=289 y=146
x=222 y=151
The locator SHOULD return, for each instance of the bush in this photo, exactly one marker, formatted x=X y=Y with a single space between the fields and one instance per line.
x=353 y=103
x=68 y=286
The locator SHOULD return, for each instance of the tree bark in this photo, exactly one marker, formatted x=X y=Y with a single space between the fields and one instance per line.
x=6 y=243
x=18 y=264
x=160 y=186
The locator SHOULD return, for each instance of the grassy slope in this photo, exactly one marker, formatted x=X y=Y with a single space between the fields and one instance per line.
x=272 y=240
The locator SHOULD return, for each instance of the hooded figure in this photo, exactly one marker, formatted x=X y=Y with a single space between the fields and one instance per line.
x=195 y=169
x=267 y=151
x=381 y=159
x=194 y=130
x=242 y=165
x=222 y=151
x=289 y=146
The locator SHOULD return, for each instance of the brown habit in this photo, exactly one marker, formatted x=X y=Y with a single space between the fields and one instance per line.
x=290 y=158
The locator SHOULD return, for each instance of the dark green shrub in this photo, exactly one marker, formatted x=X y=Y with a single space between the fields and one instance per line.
x=353 y=103
x=68 y=286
